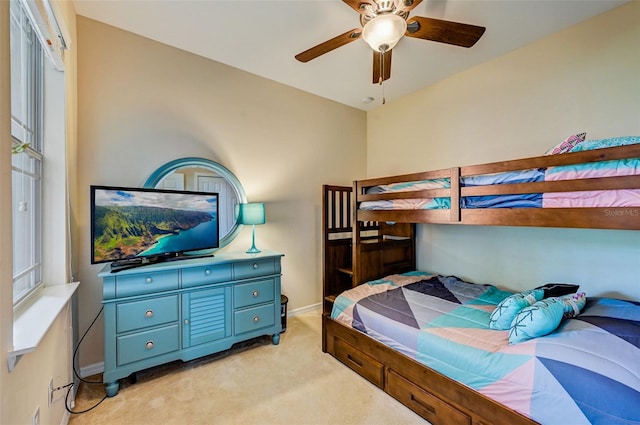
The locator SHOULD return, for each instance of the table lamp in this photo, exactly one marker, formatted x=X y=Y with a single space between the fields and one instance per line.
x=252 y=213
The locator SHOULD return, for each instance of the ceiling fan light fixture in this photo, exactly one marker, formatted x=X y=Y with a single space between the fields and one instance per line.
x=383 y=32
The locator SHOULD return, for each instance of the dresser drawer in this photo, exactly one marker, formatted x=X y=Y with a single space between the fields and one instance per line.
x=147 y=344
x=247 y=269
x=146 y=313
x=251 y=319
x=425 y=404
x=366 y=366
x=197 y=276
x=258 y=292
x=146 y=283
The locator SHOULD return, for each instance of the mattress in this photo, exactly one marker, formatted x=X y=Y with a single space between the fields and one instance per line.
x=412 y=203
x=585 y=372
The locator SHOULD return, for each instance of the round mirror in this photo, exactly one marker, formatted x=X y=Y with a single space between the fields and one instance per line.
x=203 y=175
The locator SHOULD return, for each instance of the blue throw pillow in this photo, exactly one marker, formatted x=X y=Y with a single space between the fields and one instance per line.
x=573 y=304
x=507 y=309
x=545 y=316
x=537 y=320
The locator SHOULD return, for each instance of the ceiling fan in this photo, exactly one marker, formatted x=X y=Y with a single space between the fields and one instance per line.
x=384 y=23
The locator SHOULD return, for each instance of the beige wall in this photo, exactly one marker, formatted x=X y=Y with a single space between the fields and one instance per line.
x=26 y=388
x=6 y=249
x=586 y=78
x=142 y=104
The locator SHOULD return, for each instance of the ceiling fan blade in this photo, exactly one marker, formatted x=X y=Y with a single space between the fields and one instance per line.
x=355 y=4
x=409 y=4
x=329 y=45
x=386 y=66
x=449 y=32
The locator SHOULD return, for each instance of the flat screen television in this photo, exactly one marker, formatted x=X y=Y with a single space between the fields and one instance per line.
x=137 y=226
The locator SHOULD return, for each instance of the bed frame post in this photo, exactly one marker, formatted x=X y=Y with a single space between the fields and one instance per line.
x=356 y=236
x=455 y=194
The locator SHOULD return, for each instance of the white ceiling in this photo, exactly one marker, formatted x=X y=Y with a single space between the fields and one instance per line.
x=263 y=36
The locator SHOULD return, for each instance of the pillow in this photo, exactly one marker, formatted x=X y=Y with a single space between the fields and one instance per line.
x=537 y=320
x=544 y=316
x=567 y=145
x=573 y=304
x=605 y=143
x=508 y=308
x=558 y=289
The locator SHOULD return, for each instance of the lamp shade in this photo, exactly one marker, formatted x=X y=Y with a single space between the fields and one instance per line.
x=252 y=213
x=383 y=32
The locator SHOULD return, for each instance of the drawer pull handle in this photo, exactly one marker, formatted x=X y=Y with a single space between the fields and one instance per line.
x=354 y=360
x=149 y=345
x=255 y=266
x=255 y=294
x=425 y=406
x=148 y=280
x=207 y=272
x=186 y=321
x=148 y=313
x=256 y=319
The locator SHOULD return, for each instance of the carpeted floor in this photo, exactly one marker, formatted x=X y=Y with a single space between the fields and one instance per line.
x=253 y=383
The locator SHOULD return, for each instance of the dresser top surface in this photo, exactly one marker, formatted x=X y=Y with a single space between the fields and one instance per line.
x=218 y=258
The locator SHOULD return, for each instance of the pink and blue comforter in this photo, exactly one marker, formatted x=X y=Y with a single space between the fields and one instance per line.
x=585 y=372
x=583 y=199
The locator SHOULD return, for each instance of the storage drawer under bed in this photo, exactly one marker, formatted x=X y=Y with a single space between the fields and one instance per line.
x=363 y=364
x=422 y=402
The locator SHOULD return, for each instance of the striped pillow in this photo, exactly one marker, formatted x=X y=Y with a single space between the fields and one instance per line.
x=568 y=144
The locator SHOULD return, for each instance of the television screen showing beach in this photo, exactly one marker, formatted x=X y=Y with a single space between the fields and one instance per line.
x=133 y=223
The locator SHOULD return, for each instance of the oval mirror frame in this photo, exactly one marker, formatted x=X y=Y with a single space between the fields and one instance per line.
x=158 y=175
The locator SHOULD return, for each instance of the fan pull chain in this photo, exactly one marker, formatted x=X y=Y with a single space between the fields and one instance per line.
x=381 y=77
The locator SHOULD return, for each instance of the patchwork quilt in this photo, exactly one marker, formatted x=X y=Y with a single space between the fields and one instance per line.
x=585 y=372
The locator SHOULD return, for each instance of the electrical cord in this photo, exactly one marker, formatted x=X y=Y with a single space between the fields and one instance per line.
x=75 y=352
x=76 y=412
x=75 y=372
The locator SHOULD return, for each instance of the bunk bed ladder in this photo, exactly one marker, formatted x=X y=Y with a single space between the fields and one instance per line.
x=336 y=243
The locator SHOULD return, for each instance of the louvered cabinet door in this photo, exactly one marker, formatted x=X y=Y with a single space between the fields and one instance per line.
x=206 y=315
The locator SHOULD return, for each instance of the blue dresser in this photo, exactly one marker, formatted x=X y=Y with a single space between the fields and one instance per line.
x=187 y=309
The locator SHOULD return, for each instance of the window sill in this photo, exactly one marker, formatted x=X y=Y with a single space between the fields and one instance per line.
x=32 y=321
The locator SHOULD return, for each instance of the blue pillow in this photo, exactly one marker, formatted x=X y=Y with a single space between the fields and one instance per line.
x=605 y=143
x=507 y=309
x=573 y=304
x=545 y=316
x=537 y=320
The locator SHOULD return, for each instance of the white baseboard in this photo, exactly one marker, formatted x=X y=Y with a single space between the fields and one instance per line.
x=67 y=417
x=92 y=369
x=302 y=310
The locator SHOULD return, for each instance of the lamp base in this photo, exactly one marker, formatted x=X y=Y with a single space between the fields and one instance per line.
x=253 y=249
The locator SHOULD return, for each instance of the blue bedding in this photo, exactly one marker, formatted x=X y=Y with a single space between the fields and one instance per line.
x=585 y=372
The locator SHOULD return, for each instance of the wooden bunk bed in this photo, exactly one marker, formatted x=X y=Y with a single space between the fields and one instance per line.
x=361 y=245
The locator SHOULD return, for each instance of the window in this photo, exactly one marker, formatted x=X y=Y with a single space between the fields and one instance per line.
x=27 y=99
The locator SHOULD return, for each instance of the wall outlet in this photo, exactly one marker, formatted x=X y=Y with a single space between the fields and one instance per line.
x=35 y=420
x=50 y=391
